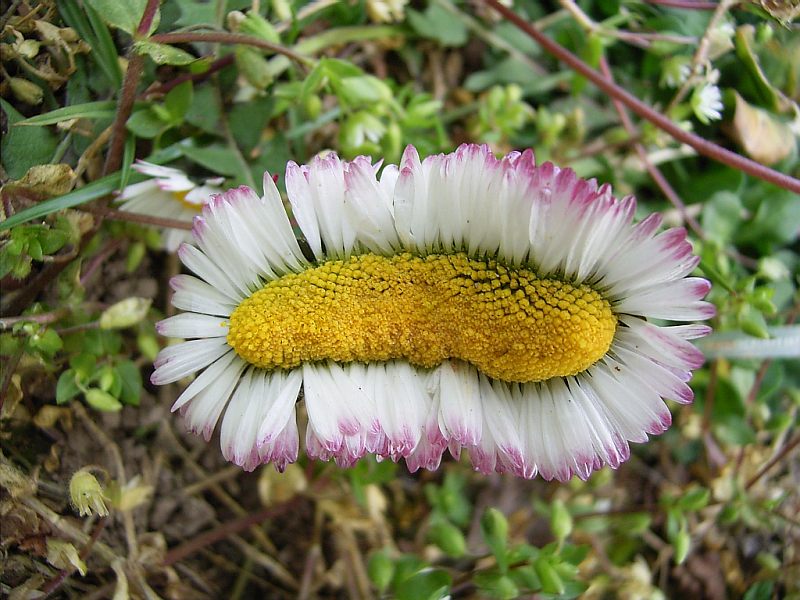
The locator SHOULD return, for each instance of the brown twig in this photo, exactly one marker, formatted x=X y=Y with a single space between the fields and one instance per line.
x=178 y=553
x=127 y=97
x=216 y=37
x=128 y=94
x=109 y=249
x=710 y=149
x=147 y=18
x=41 y=318
x=131 y=217
x=9 y=366
x=773 y=461
x=687 y=4
x=654 y=171
x=215 y=66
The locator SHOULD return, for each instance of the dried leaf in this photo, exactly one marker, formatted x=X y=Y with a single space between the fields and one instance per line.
x=763 y=137
x=63 y=555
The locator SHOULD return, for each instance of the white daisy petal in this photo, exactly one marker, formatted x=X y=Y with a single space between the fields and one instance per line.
x=179 y=361
x=192 y=325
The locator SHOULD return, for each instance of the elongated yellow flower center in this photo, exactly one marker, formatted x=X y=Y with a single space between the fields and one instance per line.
x=508 y=322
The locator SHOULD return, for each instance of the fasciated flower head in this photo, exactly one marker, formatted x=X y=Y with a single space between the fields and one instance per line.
x=458 y=302
x=170 y=194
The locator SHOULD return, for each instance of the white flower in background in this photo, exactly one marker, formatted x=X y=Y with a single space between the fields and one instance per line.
x=386 y=11
x=458 y=302
x=169 y=195
x=720 y=40
x=707 y=103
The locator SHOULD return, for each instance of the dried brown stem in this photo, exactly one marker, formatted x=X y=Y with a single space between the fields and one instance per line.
x=773 y=461
x=208 y=538
x=216 y=37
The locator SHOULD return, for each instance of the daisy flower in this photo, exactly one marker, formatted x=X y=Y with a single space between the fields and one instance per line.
x=170 y=195
x=459 y=302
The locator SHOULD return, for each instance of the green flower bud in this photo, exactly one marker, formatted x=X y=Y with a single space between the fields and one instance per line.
x=87 y=494
x=26 y=91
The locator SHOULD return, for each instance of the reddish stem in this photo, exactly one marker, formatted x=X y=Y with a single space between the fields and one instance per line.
x=214 y=37
x=773 y=461
x=124 y=109
x=215 y=66
x=220 y=533
x=713 y=151
x=654 y=171
x=147 y=18
x=688 y=4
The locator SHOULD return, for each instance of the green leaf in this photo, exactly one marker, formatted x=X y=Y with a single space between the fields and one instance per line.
x=430 y=584
x=380 y=569
x=88 y=110
x=83 y=364
x=551 y=580
x=131 y=379
x=722 y=216
x=494 y=527
x=66 y=388
x=694 y=499
x=163 y=54
x=216 y=158
x=24 y=147
x=760 y=591
x=448 y=537
x=496 y=585
x=178 y=100
x=438 y=24
x=102 y=401
x=48 y=342
x=147 y=123
x=205 y=111
x=123 y=15
x=560 y=520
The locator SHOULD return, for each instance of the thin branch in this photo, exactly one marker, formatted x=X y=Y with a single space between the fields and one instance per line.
x=41 y=318
x=687 y=4
x=203 y=540
x=131 y=217
x=127 y=97
x=147 y=18
x=9 y=366
x=653 y=170
x=773 y=461
x=214 y=37
x=215 y=66
x=713 y=151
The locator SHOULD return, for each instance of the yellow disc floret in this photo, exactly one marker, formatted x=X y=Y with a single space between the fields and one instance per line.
x=508 y=322
x=180 y=197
